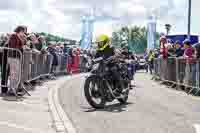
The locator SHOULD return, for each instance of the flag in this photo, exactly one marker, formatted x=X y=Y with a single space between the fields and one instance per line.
x=151 y=33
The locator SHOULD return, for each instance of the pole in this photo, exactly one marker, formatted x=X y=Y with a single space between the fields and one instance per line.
x=189 y=18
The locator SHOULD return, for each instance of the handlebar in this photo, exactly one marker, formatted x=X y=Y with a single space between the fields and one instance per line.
x=97 y=60
x=112 y=59
x=101 y=59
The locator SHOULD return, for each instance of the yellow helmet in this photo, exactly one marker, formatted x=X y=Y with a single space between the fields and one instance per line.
x=102 y=41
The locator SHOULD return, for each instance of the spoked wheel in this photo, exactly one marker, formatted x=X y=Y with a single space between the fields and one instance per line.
x=94 y=94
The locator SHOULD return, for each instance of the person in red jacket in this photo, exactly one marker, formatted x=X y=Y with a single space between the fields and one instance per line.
x=78 y=59
x=18 y=38
x=163 y=48
x=70 y=61
x=16 y=41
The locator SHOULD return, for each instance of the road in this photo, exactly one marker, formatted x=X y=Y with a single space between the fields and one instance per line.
x=154 y=108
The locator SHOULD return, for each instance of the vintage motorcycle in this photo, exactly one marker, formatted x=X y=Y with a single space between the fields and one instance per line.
x=100 y=87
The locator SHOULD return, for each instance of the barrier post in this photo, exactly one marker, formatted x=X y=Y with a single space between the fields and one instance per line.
x=197 y=77
x=177 y=74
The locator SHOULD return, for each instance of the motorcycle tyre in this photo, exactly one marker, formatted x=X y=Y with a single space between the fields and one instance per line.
x=88 y=96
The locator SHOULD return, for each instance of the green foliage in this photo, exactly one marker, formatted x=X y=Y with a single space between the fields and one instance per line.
x=116 y=39
x=137 y=38
x=50 y=37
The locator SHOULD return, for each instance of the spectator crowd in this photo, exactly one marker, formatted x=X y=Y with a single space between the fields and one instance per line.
x=23 y=41
x=177 y=63
x=169 y=49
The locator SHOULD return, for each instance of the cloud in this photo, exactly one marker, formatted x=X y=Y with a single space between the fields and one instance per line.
x=63 y=17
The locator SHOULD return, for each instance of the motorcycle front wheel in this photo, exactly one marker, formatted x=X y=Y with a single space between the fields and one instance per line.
x=93 y=93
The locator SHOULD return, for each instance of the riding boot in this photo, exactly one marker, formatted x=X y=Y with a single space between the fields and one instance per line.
x=119 y=89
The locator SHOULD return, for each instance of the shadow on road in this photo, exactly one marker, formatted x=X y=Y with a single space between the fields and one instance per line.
x=12 y=98
x=115 y=108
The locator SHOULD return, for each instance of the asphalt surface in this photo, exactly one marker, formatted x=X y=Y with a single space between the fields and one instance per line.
x=154 y=108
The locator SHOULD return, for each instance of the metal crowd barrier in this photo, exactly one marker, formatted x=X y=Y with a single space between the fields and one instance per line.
x=36 y=65
x=19 y=68
x=11 y=69
x=61 y=68
x=179 y=72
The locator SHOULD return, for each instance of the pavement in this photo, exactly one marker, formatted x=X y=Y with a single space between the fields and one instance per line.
x=151 y=108
x=27 y=115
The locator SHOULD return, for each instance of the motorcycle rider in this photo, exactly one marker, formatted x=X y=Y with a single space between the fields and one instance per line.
x=105 y=50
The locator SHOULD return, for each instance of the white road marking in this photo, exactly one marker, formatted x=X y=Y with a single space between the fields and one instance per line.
x=63 y=116
x=13 y=125
x=197 y=127
x=61 y=119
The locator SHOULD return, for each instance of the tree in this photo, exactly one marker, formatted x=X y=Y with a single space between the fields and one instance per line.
x=137 y=38
x=115 y=39
x=50 y=37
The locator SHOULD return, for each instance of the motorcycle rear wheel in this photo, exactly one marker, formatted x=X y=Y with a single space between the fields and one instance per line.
x=89 y=95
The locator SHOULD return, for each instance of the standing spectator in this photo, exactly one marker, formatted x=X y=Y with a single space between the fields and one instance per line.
x=41 y=45
x=157 y=53
x=163 y=55
x=4 y=67
x=189 y=51
x=52 y=50
x=179 y=51
x=151 y=60
x=62 y=49
x=33 y=43
x=84 y=61
x=3 y=40
x=171 y=50
x=70 y=61
x=189 y=56
x=163 y=48
x=78 y=53
x=196 y=66
x=17 y=41
x=146 y=56
x=197 y=50
x=66 y=49
x=58 y=48
x=76 y=59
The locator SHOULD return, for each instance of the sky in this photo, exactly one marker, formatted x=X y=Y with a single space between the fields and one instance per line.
x=63 y=17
